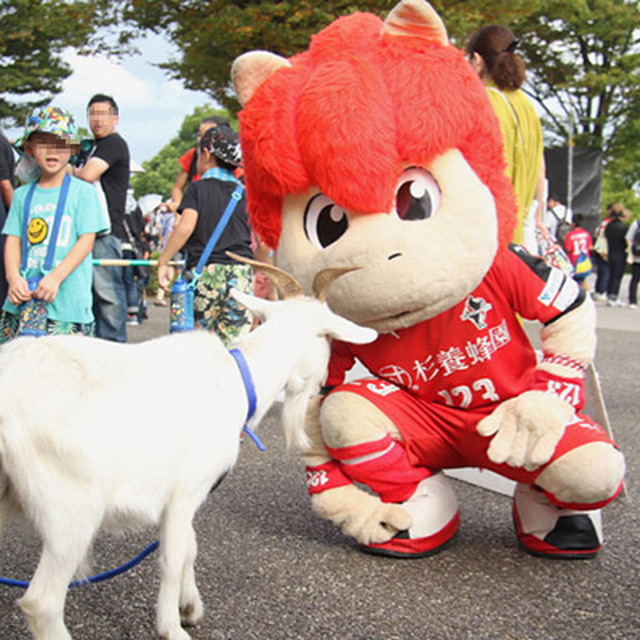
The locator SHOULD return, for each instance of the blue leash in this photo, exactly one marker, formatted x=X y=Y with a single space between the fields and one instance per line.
x=112 y=573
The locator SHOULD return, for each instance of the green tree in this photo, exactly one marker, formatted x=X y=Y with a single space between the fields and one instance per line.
x=210 y=33
x=583 y=61
x=34 y=35
x=583 y=55
x=161 y=171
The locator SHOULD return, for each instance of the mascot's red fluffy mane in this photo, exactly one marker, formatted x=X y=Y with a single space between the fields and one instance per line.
x=354 y=110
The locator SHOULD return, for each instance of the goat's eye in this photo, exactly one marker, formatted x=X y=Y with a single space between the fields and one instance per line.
x=417 y=195
x=324 y=221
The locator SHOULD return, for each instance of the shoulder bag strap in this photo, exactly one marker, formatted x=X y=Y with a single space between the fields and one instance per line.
x=236 y=196
x=62 y=198
x=25 y=226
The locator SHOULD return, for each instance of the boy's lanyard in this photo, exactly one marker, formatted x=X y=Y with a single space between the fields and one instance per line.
x=236 y=196
x=62 y=198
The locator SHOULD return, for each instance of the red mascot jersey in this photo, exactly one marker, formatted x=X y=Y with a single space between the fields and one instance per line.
x=475 y=354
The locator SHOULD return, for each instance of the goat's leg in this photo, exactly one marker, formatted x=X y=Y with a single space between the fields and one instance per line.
x=5 y=514
x=191 y=608
x=43 y=602
x=177 y=547
x=7 y=508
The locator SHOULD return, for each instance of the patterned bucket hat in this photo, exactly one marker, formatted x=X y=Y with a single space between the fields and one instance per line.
x=53 y=120
x=223 y=143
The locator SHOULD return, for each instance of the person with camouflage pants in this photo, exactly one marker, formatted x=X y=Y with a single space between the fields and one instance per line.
x=202 y=207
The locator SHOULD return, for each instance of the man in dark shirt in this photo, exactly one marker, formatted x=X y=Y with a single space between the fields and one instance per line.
x=615 y=233
x=108 y=167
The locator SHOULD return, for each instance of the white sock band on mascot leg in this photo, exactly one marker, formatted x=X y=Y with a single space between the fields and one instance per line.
x=436 y=519
x=544 y=529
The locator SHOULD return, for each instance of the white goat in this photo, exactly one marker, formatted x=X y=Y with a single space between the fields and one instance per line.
x=81 y=448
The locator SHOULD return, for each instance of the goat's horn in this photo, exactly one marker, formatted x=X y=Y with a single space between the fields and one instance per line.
x=285 y=283
x=325 y=278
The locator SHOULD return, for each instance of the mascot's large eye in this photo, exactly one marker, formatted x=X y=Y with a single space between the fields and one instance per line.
x=417 y=195
x=324 y=221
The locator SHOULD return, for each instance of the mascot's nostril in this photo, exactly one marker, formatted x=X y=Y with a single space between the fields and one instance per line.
x=393 y=256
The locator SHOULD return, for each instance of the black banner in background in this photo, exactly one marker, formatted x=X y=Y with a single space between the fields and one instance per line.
x=586 y=183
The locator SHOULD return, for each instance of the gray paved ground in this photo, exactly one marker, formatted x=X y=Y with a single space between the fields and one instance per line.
x=269 y=569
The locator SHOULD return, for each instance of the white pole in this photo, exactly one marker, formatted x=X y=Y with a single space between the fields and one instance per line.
x=125 y=262
x=569 y=203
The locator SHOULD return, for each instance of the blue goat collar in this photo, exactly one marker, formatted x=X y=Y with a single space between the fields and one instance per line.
x=250 y=389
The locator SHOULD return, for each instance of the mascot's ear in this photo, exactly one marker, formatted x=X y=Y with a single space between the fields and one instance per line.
x=251 y=69
x=415 y=19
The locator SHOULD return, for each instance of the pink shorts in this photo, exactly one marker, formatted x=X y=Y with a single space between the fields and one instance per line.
x=437 y=436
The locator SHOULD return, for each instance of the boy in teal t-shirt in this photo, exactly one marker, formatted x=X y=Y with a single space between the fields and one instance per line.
x=50 y=137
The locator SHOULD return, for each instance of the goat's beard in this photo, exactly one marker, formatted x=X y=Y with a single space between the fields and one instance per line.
x=310 y=373
x=294 y=411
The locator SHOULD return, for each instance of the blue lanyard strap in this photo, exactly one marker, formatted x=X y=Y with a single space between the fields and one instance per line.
x=236 y=196
x=53 y=239
x=251 y=394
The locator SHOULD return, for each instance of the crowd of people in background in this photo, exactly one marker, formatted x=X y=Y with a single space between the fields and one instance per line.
x=616 y=244
x=86 y=276
x=100 y=260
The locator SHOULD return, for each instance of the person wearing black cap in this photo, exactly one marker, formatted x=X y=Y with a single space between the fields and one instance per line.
x=203 y=206
x=189 y=162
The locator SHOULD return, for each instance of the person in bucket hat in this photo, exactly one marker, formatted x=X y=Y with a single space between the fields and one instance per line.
x=54 y=120
x=203 y=206
x=46 y=120
x=45 y=267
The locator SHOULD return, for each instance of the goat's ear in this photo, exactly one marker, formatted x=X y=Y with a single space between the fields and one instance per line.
x=257 y=306
x=348 y=331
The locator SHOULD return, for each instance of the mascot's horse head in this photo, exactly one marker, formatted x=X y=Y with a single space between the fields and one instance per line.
x=376 y=147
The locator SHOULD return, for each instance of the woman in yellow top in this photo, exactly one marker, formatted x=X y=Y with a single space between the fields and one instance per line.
x=491 y=51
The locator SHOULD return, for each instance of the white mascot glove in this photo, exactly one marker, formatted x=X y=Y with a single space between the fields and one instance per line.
x=526 y=429
x=334 y=497
x=360 y=515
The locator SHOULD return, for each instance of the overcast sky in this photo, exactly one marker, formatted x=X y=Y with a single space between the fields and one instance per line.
x=152 y=107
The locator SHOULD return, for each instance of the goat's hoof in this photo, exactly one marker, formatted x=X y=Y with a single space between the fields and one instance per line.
x=191 y=614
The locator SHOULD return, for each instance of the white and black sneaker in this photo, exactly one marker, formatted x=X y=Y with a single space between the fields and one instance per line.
x=544 y=529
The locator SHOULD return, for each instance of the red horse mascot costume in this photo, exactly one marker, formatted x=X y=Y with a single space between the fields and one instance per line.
x=377 y=148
